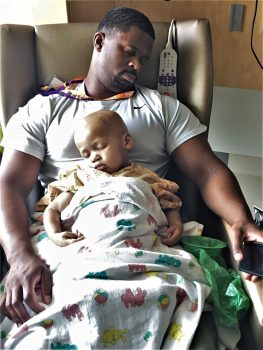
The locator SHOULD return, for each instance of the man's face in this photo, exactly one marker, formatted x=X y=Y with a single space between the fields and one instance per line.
x=121 y=58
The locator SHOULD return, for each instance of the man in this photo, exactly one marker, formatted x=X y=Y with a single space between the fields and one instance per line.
x=122 y=43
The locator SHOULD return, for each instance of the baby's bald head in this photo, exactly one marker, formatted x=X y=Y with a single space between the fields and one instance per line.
x=103 y=122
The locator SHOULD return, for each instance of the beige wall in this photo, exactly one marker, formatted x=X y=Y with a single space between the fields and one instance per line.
x=248 y=171
x=234 y=63
x=33 y=12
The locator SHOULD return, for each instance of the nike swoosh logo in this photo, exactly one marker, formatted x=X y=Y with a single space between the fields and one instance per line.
x=138 y=107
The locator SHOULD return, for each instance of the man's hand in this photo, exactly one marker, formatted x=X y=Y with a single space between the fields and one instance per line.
x=242 y=232
x=65 y=238
x=28 y=277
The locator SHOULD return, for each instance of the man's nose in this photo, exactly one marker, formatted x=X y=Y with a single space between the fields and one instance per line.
x=135 y=64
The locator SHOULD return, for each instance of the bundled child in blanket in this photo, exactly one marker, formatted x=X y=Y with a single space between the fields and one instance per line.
x=103 y=141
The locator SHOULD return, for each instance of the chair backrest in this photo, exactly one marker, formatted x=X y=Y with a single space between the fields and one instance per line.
x=30 y=56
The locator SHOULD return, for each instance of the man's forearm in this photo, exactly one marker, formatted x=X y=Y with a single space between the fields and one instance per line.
x=14 y=236
x=223 y=195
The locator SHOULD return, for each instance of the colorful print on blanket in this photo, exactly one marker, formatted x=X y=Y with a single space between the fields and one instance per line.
x=120 y=287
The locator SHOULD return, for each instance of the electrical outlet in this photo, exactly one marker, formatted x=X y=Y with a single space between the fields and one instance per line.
x=236 y=17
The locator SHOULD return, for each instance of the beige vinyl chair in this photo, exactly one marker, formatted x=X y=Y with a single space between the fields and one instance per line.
x=31 y=56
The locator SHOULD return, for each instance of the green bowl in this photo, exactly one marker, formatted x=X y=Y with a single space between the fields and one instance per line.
x=211 y=246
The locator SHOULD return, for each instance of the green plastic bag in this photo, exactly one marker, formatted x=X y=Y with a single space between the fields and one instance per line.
x=230 y=301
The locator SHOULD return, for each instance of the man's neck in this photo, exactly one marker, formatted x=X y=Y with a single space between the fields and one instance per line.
x=93 y=89
x=96 y=91
x=105 y=95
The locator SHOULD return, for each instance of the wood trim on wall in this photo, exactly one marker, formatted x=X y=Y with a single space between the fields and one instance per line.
x=234 y=62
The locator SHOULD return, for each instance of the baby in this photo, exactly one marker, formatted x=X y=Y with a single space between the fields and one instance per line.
x=103 y=141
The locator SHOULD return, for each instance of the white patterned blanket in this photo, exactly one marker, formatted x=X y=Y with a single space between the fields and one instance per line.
x=120 y=287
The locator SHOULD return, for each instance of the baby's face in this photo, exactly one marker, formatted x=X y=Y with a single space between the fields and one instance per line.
x=103 y=152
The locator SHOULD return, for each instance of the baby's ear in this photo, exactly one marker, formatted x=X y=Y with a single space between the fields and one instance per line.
x=128 y=141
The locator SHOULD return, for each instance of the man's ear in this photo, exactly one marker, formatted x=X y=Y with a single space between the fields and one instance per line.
x=128 y=141
x=98 y=40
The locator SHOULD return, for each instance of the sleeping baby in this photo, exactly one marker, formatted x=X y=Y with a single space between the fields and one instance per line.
x=102 y=186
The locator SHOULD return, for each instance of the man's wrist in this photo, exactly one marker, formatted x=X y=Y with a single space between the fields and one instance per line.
x=22 y=251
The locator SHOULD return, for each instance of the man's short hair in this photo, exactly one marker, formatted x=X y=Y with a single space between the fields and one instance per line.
x=122 y=18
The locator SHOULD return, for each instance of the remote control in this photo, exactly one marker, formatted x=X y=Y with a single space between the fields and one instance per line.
x=167 y=68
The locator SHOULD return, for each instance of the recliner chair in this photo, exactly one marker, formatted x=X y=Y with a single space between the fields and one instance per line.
x=31 y=56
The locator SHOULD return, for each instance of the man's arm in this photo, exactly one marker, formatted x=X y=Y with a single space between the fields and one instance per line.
x=220 y=190
x=18 y=174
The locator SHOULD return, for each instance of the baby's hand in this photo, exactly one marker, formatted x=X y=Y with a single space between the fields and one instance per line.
x=65 y=238
x=172 y=234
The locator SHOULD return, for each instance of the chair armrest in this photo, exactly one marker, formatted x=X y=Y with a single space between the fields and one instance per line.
x=255 y=292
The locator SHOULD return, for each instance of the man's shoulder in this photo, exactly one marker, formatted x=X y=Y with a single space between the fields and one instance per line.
x=146 y=91
x=39 y=98
x=153 y=95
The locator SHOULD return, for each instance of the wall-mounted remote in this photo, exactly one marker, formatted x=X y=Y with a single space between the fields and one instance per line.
x=167 y=68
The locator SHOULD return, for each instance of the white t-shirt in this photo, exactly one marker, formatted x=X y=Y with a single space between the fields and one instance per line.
x=44 y=128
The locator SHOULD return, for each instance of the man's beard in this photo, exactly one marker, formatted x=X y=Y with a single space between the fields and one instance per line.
x=121 y=84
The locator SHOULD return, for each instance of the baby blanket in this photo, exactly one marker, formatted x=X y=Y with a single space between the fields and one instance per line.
x=80 y=175
x=120 y=287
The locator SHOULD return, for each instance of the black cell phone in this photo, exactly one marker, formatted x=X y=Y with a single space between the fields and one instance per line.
x=253 y=258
